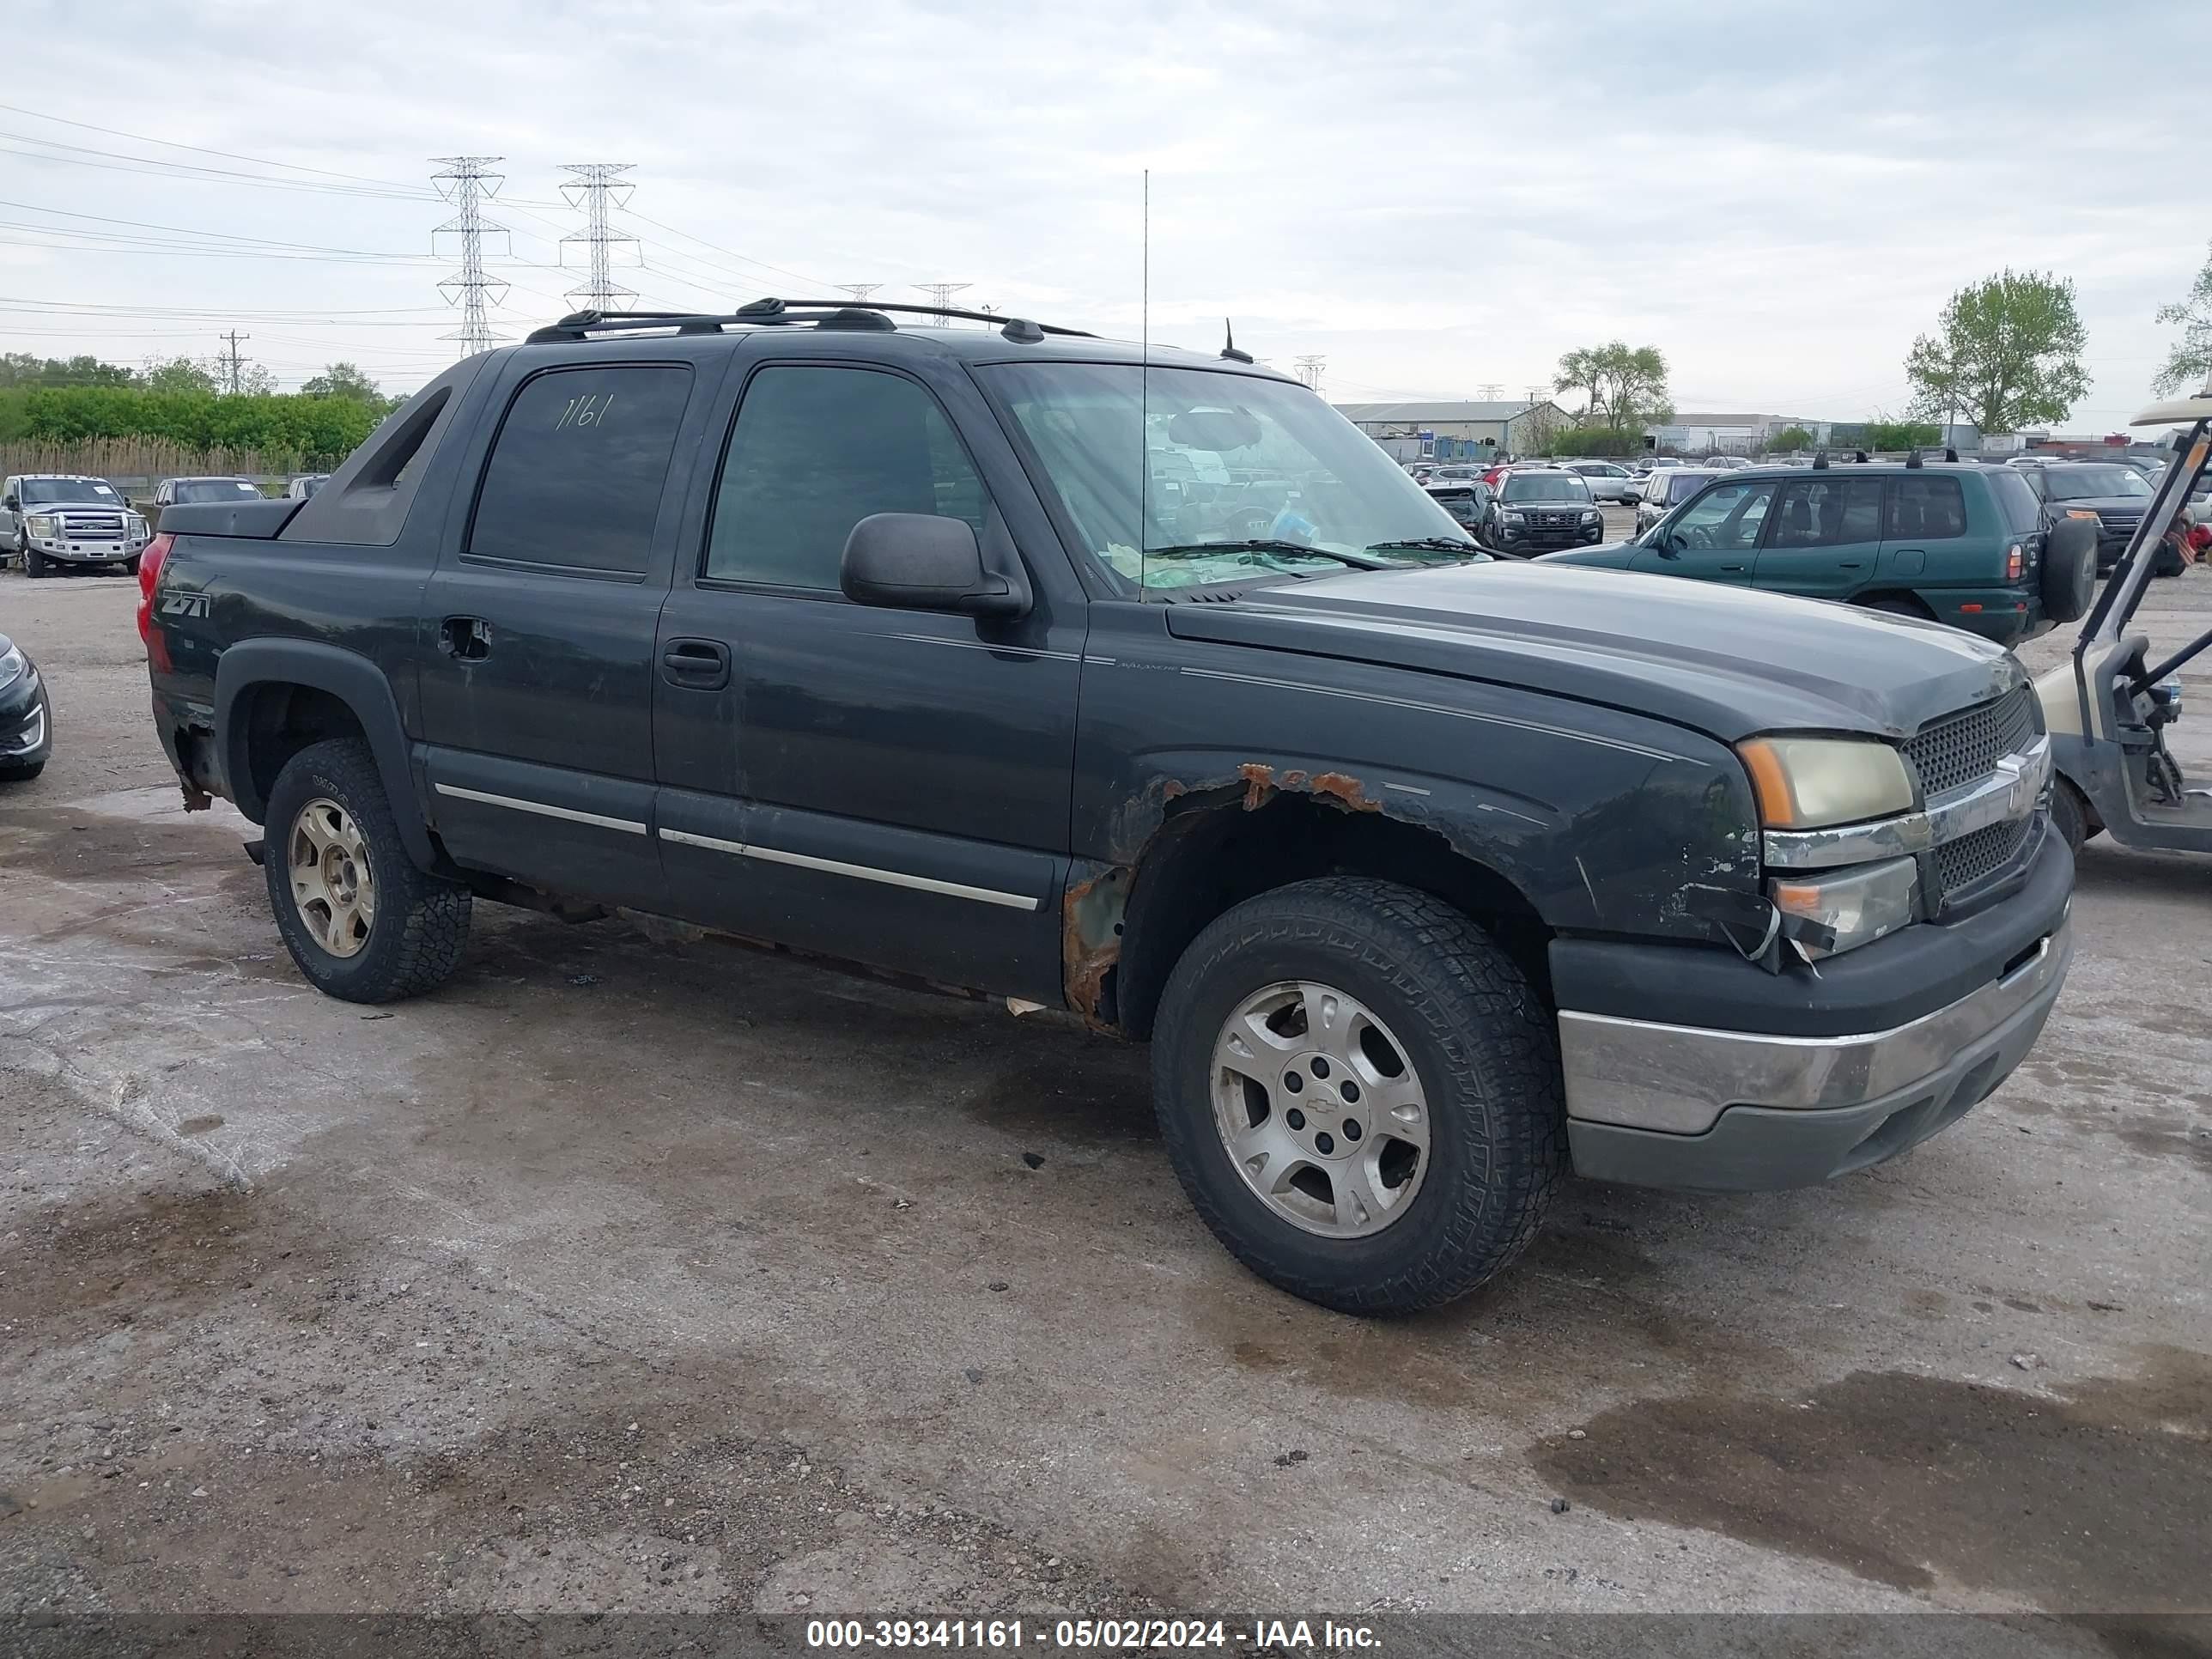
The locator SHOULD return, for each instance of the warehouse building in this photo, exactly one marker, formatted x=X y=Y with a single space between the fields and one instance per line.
x=1449 y=431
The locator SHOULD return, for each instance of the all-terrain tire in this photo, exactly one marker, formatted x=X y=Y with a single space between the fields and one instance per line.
x=35 y=562
x=421 y=921
x=1479 y=1038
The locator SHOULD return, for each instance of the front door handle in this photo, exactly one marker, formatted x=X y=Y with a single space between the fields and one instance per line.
x=468 y=639
x=696 y=665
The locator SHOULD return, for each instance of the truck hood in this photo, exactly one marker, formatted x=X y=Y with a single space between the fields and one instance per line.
x=1728 y=662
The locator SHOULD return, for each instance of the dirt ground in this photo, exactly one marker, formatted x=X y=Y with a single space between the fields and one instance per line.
x=632 y=1272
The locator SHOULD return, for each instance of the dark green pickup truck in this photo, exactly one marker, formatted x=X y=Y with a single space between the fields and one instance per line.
x=1956 y=543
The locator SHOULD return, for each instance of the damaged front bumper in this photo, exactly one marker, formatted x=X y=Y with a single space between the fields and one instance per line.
x=1931 y=1022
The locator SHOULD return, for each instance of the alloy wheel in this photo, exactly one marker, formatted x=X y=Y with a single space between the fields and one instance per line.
x=332 y=885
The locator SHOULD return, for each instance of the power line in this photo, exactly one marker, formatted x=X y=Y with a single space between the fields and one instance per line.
x=595 y=188
x=469 y=287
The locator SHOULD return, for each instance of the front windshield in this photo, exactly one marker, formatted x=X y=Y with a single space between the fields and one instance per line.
x=1546 y=487
x=1224 y=458
x=52 y=492
x=215 y=489
x=2080 y=483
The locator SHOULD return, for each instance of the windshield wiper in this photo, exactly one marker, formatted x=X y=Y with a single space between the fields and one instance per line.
x=1425 y=544
x=1202 y=550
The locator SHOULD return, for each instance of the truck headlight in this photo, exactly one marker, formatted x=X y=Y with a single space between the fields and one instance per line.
x=41 y=524
x=12 y=665
x=1514 y=517
x=134 y=526
x=1810 y=783
x=1851 y=907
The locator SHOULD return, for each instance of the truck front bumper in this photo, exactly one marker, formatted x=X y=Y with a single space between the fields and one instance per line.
x=1661 y=1104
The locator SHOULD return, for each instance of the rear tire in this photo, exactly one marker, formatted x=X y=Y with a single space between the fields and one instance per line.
x=1476 y=1077
x=2068 y=580
x=2071 y=817
x=410 y=936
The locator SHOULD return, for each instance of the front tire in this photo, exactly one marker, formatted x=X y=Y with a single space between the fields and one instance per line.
x=1429 y=1179
x=2071 y=817
x=35 y=562
x=360 y=919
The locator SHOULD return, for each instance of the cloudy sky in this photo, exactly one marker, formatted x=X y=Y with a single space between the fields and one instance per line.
x=1435 y=201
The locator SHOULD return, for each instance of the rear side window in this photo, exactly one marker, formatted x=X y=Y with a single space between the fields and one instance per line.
x=575 y=477
x=1925 y=509
x=1828 y=511
x=816 y=450
x=2016 y=503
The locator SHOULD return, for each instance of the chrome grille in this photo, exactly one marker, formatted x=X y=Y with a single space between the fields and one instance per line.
x=1963 y=749
x=1960 y=863
x=92 y=526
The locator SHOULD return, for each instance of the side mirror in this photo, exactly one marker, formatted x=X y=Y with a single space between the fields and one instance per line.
x=13 y=504
x=919 y=562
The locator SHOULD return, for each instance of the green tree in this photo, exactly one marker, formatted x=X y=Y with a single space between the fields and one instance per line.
x=178 y=374
x=1903 y=434
x=2188 y=364
x=1578 y=373
x=1627 y=385
x=343 y=380
x=21 y=368
x=1595 y=441
x=2007 y=354
x=1790 y=437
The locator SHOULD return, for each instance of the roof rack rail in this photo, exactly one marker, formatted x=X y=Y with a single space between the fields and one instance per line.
x=772 y=313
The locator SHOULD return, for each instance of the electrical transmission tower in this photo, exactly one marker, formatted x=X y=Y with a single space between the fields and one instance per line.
x=229 y=366
x=595 y=189
x=468 y=186
x=942 y=293
x=1491 y=392
x=1308 y=369
x=859 y=291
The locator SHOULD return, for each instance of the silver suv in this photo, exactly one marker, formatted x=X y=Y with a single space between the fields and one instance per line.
x=53 y=518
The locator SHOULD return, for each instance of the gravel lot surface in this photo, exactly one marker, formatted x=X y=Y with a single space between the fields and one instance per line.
x=634 y=1272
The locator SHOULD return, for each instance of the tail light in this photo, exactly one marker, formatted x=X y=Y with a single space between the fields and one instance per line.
x=2015 y=562
x=149 y=573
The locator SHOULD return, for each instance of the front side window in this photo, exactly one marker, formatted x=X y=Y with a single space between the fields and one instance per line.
x=815 y=450
x=1727 y=516
x=1176 y=477
x=1926 y=509
x=1681 y=486
x=576 y=474
x=1828 y=513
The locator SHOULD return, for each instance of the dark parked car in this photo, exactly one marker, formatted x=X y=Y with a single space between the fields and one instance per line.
x=26 y=724
x=1959 y=545
x=1535 y=509
x=1423 y=876
x=2103 y=493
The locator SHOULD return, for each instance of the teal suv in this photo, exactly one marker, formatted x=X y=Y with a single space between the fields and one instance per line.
x=1957 y=544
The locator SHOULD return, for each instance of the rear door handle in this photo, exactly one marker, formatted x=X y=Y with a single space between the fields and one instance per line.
x=696 y=665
